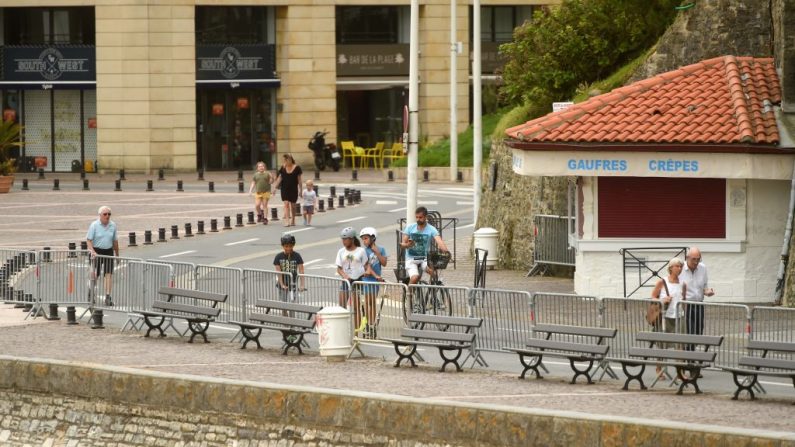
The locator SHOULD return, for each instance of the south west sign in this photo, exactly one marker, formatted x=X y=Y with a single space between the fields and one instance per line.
x=49 y=64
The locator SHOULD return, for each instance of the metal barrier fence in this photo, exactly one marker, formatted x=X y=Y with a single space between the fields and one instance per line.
x=628 y=317
x=184 y=276
x=228 y=281
x=322 y=291
x=507 y=318
x=65 y=277
x=18 y=276
x=551 y=242
x=135 y=284
x=732 y=321
x=567 y=309
x=773 y=324
x=446 y=300
x=264 y=285
x=380 y=313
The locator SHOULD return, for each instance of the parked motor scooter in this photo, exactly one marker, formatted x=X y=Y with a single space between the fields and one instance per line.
x=325 y=154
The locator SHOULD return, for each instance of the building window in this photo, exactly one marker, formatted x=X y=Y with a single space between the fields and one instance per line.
x=659 y=207
x=48 y=26
x=370 y=24
x=498 y=22
x=232 y=25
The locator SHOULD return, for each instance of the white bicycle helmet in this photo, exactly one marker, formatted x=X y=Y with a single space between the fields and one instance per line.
x=368 y=231
x=348 y=232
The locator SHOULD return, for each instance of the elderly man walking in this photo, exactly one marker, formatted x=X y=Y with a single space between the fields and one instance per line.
x=103 y=240
x=695 y=276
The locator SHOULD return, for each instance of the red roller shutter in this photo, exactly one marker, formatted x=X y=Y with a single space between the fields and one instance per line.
x=662 y=207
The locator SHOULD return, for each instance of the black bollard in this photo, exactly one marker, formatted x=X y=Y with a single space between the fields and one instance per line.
x=331 y=203
x=148 y=237
x=53 y=316
x=118 y=185
x=354 y=175
x=161 y=235
x=72 y=247
x=238 y=220
x=201 y=174
x=175 y=232
x=149 y=186
x=85 y=185
x=425 y=175
x=316 y=189
x=161 y=175
x=390 y=176
x=41 y=174
x=200 y=227
x=83 y=245
x=211 y=186
x=45 y=255
x=56 y=185
x=459 y=176
x=341 y=202
x=213 y=225
x=132 y=243
x=188 y=230
x=346 y=191
x=179 y=186
x=357 y=196
x=321 y=208
x=251 y=218
x=121 y=175
x=240 y=186
x=350 y=198
x=24 y=184
x=317 y=174
x=97 y=318
x=240 y=175
x=275 y=214
x=70 y=315
x=332 y=191
x=227 y=223
x=82 y=174
x=296 y=209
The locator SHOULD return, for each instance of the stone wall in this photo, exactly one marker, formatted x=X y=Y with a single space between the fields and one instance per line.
x=510 y=207
x=60 y=403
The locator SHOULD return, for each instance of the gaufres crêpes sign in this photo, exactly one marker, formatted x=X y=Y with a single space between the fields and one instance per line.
x=46 y=64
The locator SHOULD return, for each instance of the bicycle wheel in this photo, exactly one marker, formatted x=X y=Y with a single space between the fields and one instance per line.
x=440 y=303
x=417 y=299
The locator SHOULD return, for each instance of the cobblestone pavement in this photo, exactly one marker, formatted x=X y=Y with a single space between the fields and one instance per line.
x=223 y=359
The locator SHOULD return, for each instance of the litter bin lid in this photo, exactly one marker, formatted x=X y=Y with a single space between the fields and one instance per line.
x=486 y=230
x=333 y=310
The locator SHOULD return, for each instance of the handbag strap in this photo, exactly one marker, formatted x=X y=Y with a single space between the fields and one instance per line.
x=665 y=284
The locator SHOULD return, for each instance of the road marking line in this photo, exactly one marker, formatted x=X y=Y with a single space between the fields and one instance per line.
x=397 y=209
x=429 y=202
x=464 y=202
x=466 y=226
x=312 y=261
x=351 y=219
x=241 y=242
x=177 y=254
x=776 y=383
x=386 y=202
x=299 y=230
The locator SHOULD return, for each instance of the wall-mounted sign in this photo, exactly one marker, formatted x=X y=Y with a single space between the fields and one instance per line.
x=92 y=122
x=235 y=62
x=242 y=103
x=9 y=115
x=373 y=60
x=218 y=109
x=49 y=64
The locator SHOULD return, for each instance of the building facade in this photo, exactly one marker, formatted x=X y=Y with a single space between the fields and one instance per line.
x=215 y=84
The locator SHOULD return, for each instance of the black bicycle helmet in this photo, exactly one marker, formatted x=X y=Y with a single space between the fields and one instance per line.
x=288 y=239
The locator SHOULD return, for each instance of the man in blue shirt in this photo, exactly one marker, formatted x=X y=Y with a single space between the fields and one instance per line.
x=103 y=240
x=417 y=242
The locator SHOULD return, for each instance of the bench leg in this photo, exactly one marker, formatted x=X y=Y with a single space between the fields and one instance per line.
x=198 y=328
x=631 y=377
x=248 y=335
x=157 y=326
x=581 y=372
x=534 y=364
x=690 y=378
x=744 y=385
x=447 y=360
x=409 y=355
x=292 y=340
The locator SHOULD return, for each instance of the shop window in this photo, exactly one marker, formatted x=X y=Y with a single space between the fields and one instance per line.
x=232 y=25
x=49 y=26
x=645 y=207
x=368 y=24
x=498 y=22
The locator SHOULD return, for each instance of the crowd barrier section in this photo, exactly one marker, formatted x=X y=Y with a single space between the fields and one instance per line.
x=567 y=309
x=628 y=317
x=228 y=281
x=773 y=324
x=322 y=291
x=380 y=312
x=732 y=321
x=18 y=276
x=184 y=273
x=135 y=285
x=507 y=318
x=450 y=300
x=264 y=285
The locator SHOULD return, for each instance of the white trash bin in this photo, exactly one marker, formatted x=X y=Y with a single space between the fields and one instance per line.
x=335 y=333
x=486 y=239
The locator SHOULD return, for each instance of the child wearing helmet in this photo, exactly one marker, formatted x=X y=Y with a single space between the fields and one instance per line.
x=291 y=262
x=377 y=259
x=352 y=265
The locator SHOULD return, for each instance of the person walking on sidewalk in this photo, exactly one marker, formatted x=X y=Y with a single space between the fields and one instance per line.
x=310 y=201
x=102 y=239
x=377 y=259
x=695 y=276
x=288 y=261
x=261 y=180
x=290 y=187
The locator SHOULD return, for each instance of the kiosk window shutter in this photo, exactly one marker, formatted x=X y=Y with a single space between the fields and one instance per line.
x=662 y=207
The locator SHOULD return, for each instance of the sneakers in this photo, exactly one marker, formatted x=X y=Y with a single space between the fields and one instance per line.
x=108 y=301
x=260 y=218
x=264 y=221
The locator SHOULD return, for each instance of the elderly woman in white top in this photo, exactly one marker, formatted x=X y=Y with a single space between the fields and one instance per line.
x=671 y=291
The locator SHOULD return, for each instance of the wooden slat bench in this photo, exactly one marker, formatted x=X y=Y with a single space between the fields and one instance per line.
x=277 y=316
x=688 y=364
x=590 y=351
x=198 y=315
x=754 y=366
x=415 y=334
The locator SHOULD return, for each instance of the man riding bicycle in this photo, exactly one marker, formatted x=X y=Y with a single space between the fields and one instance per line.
x=417 y=242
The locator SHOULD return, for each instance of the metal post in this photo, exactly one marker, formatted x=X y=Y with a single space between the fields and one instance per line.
x=85 y=185
x=188 y=230
x=41 y=174
x=317 y=174
x=200 y=174
x=82 y=174
x=414 y=102
x=425 y=175
x=240 y=175
x=453 y=89
x=56 y=185
x=45 y=255
x=331 y=203
x=211 y=186
x=459 y=177
x=179 y=186
x=97 y=318
x=354 y=175
x=240 y=187
x=53 y=316
x=213 y=225
x=72 y=247
x=24 y=184
x=121 y=174
x=161 y=235
x=147 y=237
x=341 y=203
x=70 y=315
x=161 y=175
x=118 y=185
x=274 y=214
x=239 y=220
x=149 y=186
x=251 y=218
x=131 y=236
x=321 y=206
x=332 y=191
x=84 y=245
x=227 y=223
x=390 y=176
x=477 y=111
x=350 y=198
x=200 y=227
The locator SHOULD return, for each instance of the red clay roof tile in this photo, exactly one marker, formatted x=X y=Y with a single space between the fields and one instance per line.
x=726 y=99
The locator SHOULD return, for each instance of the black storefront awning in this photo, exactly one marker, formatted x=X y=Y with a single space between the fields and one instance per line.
x=240 y=83
x=48 y=67
x=233 y=66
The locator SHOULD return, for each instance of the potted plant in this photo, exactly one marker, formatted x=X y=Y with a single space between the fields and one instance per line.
x=9 y=139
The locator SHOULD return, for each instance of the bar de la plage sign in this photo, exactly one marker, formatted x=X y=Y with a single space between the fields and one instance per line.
x=49 y=64
x=226 y=62
x=373 y=60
